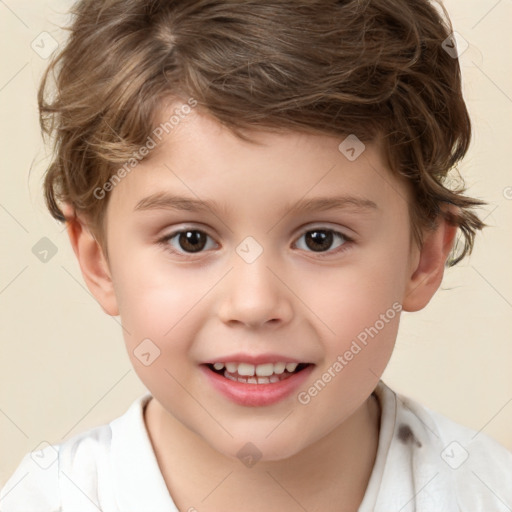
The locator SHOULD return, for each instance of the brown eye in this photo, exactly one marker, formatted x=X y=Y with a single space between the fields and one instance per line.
x=321 y=240
x=192 y=241
x=187 y=241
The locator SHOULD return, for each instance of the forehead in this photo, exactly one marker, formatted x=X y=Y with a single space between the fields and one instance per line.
x=202 y=164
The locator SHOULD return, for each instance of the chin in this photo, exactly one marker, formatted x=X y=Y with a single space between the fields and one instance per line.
x=251 y=450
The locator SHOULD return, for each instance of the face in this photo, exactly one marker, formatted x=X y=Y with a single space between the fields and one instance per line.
x=300 y=256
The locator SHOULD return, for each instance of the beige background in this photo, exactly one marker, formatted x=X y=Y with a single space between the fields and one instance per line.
x=63 y=366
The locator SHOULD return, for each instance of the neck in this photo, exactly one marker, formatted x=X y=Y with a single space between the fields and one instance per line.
x=331 y=474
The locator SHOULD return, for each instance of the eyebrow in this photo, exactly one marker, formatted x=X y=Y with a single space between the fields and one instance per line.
x=167 y=201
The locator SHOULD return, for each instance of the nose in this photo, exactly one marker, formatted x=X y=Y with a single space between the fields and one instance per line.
x=254 y=294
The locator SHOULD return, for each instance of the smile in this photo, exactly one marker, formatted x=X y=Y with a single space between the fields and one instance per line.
x=256 y=385
x=267 y=373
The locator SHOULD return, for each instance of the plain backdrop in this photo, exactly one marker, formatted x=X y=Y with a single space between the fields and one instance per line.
x=63 y=366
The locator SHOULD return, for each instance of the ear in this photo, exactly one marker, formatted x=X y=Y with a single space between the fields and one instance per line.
x=428 y=265
x=92 y=261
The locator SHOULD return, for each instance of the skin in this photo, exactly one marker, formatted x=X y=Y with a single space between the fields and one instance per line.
x=290 y=300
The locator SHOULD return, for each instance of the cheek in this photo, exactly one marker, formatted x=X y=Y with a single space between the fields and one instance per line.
x=359 y=306
x=353 y=296
x=154 y=294
x=154 y=303
x=359 y=317
x=160 y=325
x=362 y=312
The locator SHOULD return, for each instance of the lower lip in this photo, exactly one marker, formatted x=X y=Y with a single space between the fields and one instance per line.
x=257 y=395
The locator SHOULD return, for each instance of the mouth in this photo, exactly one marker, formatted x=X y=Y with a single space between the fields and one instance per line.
x=268 y=373
x=265 y=381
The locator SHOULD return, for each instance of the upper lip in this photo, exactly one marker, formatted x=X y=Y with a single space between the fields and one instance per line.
x=255 y=359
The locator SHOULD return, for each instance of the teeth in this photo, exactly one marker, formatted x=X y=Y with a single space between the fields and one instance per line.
x=260 y=370
x=246 y=370
x=231 y=367
x=230 y=377
x=279 y=368
x=254 y=380
x=290 y=367
x=265 y=370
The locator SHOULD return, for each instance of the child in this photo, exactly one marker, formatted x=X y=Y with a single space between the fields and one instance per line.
x=265 y=129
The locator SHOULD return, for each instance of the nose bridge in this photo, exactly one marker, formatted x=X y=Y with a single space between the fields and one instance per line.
x=252 y=293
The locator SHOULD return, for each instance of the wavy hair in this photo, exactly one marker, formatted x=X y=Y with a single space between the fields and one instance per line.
x=375 y=68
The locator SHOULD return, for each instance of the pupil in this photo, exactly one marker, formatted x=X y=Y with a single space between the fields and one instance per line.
x=192 y=241
x=322 y=238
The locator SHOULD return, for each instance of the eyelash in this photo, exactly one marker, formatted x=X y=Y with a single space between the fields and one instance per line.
x=164 y=242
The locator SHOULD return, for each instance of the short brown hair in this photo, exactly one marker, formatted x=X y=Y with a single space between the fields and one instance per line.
x=365 y=67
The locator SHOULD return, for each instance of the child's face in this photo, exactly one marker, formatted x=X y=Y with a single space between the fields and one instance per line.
x=228 y=301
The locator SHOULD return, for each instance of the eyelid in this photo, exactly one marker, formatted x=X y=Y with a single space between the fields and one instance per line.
x=326 y=226
x=185 y=228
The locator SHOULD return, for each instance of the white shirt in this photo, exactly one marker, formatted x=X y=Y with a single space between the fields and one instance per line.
x=425 y=463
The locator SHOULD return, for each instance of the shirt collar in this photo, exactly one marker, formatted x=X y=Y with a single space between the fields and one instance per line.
x=138 y=481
